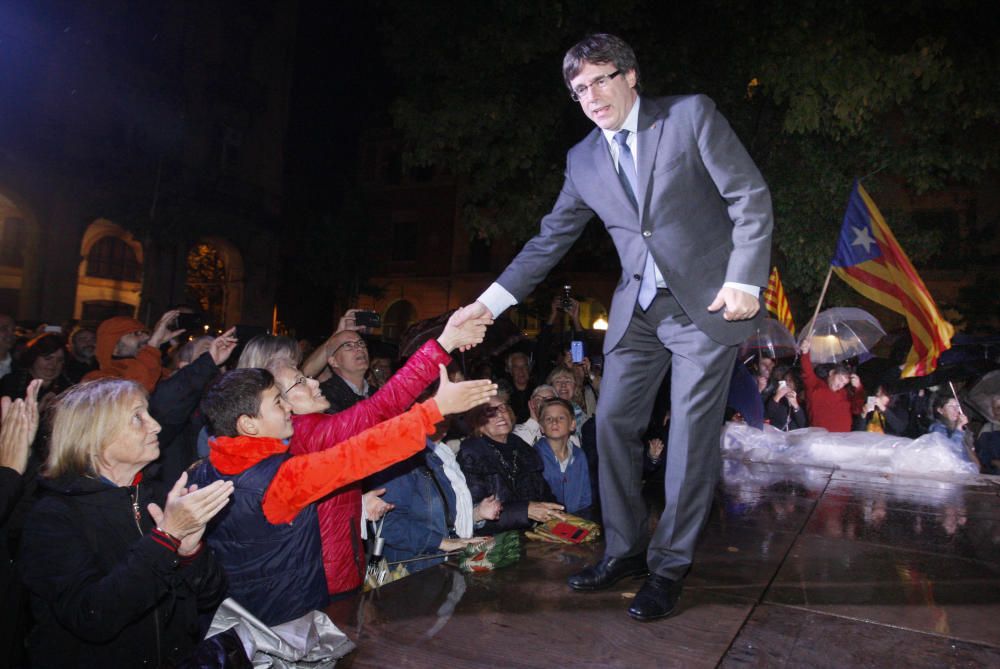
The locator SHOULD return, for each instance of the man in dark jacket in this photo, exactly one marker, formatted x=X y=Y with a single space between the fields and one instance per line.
x=348 y=361
x=174 y=402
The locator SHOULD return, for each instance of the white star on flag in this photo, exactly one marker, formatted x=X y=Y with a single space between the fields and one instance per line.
x=863 y=238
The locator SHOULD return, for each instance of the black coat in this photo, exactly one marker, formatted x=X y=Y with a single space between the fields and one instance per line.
x=512 y=472
x=104 y=593
x=174 y=405
x=340 y=395
x=782 y=416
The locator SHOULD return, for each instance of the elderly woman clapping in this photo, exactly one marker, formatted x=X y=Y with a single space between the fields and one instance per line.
x=115 y=566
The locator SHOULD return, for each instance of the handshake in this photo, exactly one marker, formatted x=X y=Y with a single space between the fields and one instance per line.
x=466 y=328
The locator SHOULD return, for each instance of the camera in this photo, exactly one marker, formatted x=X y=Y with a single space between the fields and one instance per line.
x=368 y=319
x=566 y=303
x=192 y=324
x=576 y=351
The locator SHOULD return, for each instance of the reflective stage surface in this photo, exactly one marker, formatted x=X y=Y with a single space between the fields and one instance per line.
x=799 y=566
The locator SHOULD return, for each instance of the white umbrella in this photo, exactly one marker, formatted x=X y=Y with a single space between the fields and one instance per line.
x=770 y=339
x=982 y=394
x=842 y=333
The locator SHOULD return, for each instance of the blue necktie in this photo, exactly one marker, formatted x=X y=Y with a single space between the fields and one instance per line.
x=626 y=174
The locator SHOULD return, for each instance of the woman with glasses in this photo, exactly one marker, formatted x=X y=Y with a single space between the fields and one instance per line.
x=496 y=462
x=319 y=425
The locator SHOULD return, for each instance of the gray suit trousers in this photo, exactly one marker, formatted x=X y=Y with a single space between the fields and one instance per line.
x=660 y=339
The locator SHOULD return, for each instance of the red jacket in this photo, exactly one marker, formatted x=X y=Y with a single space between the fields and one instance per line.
x=340 y=512
x=302 y=480
x=834 y=411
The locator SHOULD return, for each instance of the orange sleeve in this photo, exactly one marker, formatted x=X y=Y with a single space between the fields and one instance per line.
x=303 y=479
x=148 y=367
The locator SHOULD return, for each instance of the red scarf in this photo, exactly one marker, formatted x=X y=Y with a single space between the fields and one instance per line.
x=234 y=455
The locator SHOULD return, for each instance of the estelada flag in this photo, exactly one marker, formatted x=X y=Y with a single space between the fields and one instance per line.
x=777 y=302
x=871 y=261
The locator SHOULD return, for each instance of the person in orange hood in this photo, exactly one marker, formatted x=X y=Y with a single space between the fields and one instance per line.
x=126 y=349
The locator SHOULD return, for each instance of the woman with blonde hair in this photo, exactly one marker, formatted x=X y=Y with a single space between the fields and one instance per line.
x=115 y=565
x=262 y=350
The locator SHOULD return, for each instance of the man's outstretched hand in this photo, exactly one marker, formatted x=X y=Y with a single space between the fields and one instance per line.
x=463 y=332
x=475 y=311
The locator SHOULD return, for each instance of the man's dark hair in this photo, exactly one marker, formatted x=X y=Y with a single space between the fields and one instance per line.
x=596 y=49
x=234 y=394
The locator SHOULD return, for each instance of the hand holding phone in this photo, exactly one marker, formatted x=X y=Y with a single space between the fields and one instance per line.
x=367 y=319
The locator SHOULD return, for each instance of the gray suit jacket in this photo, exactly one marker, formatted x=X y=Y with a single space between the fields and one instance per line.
x=704 y=214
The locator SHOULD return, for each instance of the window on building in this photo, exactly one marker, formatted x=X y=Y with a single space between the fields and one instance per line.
x=112 y=258
x=206 y=281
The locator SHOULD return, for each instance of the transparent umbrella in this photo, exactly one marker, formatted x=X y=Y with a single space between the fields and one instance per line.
x=983 y=394
x=842 y=333
x=771 y=339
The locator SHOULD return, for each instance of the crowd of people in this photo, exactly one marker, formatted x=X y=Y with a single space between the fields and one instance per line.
x=159 y=475
x=833 y=397
x=148 y=475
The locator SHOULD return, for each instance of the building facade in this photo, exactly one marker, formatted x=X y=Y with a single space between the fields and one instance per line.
x=141 y=158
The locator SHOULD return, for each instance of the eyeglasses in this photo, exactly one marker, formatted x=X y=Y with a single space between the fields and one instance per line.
x=491 y=412
x=352 y=345
x=299 y=380
x=583 y=90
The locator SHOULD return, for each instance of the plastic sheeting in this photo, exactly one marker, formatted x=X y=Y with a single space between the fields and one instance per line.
x=311 y=641
x=930 y=455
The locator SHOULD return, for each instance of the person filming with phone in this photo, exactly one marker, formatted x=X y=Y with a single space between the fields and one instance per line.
x=126 y=349
x=783 y=408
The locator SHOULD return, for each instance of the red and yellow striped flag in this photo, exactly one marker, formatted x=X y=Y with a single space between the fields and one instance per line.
x=777 y=302
x=871 y=261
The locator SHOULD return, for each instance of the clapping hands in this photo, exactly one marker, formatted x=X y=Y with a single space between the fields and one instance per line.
x=188 y=510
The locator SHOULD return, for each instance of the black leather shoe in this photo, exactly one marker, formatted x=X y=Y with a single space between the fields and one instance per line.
x=608 y=571
x=657 y=598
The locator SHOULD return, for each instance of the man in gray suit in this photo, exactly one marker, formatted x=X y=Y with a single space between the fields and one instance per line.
x=691 y=218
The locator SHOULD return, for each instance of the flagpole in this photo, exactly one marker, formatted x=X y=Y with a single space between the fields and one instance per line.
x=822 y=295
x=955 y=395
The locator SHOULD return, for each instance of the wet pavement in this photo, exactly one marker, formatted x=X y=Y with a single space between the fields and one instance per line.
x=798 y=566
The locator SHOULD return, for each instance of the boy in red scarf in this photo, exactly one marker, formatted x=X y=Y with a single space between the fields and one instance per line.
x=268 y=537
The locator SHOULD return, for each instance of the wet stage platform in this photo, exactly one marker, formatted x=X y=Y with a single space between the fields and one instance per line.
x=798 y=566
